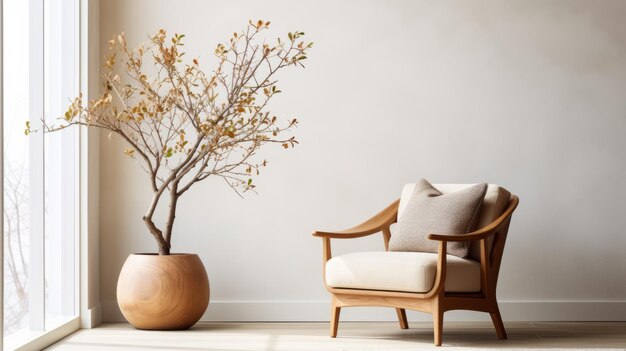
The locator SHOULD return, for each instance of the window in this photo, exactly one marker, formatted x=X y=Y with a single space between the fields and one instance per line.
x=40 y=75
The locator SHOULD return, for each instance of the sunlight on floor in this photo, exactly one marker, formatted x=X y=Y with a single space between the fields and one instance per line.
x=352 y=337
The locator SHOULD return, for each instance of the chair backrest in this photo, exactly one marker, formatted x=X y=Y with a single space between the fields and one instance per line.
x=495 y=202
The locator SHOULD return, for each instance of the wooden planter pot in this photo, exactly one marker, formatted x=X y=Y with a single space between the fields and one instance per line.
x=163 y=292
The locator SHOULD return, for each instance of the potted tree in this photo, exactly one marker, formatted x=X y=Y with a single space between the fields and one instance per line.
x=182 y=126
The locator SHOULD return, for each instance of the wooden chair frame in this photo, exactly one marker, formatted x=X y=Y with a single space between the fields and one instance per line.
x=436 y=301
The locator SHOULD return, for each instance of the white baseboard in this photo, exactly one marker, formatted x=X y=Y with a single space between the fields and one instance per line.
x=314 y=311
x=92 y=317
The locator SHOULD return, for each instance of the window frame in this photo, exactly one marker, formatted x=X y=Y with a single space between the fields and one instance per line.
x=2 y=170
x=37 y=337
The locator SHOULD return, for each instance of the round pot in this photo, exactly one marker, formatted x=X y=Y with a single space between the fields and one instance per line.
x=163 y=292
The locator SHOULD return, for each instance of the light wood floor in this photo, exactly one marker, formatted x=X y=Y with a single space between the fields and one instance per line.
x=352 y=336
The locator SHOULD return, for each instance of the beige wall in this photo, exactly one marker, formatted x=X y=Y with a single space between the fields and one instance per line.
x=527 y=94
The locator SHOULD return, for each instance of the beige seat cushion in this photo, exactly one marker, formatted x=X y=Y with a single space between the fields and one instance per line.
x=496 y=200
x=400 y=271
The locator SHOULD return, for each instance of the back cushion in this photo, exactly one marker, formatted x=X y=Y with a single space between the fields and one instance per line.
x=496 y=199
x=431 y=211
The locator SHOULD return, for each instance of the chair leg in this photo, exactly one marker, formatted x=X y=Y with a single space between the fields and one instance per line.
x=334 y=319
x=404 y=323
x=497 y=323
x=437 y=322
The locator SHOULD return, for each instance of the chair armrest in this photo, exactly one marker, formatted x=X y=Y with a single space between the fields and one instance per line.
x=380 y=221
x=477 y=235
x=483 y=232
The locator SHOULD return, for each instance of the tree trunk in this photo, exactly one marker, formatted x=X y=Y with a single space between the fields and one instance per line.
x=164 y=249
x=164 y=246
x=172 y=212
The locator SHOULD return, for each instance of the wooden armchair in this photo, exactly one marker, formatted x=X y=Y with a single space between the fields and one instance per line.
x=487 y=245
